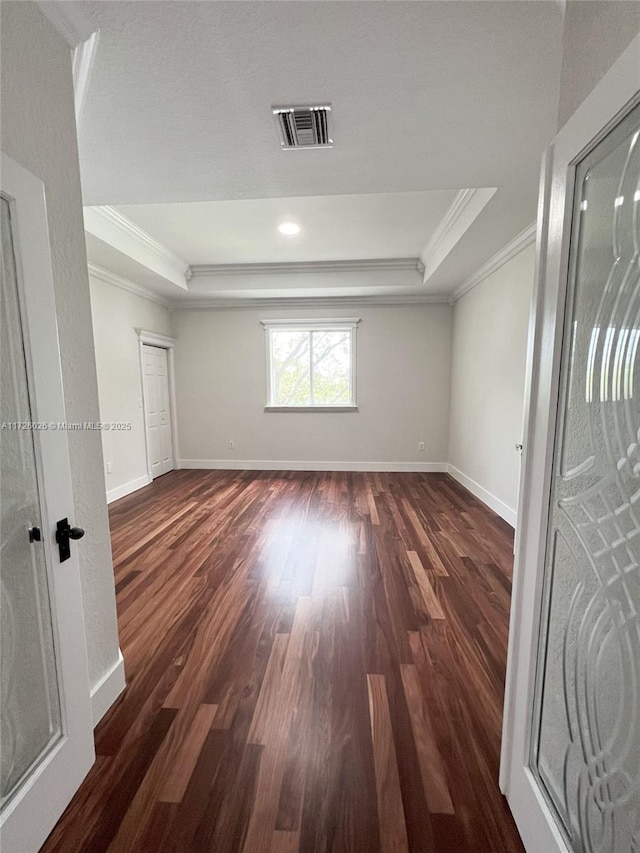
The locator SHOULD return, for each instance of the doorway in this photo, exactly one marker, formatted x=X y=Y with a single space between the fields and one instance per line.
x=46 y=738
x=156 y=365
x=571 y=744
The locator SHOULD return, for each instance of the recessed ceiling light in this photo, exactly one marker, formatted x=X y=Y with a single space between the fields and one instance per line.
x=289 y=228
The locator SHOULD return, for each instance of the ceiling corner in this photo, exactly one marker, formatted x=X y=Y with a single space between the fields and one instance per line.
x=466 y=207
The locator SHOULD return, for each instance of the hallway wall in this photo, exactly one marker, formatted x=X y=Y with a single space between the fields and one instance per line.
x=490 y=332
x=116 y=315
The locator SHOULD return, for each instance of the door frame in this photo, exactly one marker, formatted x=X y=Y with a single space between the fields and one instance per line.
x=32 y=814
x=616 y=94
x=166 y=343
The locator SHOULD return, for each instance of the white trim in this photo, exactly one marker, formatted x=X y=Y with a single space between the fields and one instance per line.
x=127 y=488
x=289 y=465
x=598 y=113
x=107 y=690
x=109 y=225
x=306 y=302
x=68 y=20
x=484 y=495
x=315 y=324
x=155 y=339
x=116 y=280
x=79 y=34
x=28 y=818
x=128 y=227
x=323 y=267
x=447 y=222
x=466 y=207
x=83 y=59
x=531 y=377
x=171 y=361
x=312 y=409
x=512 y=248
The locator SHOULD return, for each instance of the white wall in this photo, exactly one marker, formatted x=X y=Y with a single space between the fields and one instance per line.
x=403 y=370
x=487 y=383
x=39 y=132
x=595 y=34
x=116 y=315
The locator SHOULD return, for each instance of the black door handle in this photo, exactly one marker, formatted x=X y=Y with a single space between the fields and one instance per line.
x=64 y=532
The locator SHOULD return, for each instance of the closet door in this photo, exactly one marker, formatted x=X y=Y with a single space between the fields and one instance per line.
x=157 y=413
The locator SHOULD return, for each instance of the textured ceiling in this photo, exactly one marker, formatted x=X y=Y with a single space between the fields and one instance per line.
x=426 y=96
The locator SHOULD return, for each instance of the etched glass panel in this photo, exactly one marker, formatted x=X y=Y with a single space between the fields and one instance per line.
x=30 y=713
x=586 y=739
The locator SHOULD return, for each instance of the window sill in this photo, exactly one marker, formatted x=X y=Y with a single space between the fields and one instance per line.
x=311 y=409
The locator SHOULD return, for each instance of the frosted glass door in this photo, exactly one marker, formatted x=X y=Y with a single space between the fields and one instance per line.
x=31 y=718
x=586 y=720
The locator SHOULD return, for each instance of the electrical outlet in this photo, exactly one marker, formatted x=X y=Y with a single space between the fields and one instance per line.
x=232 y=444
x=109 y=467
x=421 y=445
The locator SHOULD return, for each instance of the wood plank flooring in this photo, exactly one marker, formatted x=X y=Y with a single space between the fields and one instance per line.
x=315 y=664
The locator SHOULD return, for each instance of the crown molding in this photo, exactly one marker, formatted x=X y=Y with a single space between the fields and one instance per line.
x=72 y=26
x=79 y=34
x=464 y=210
x=365 y=265
x=311 y=302
x=83 y=59
x=110 y=214
x=125 y=284
x=512 y=248
x=113 y=228
x=446 y=224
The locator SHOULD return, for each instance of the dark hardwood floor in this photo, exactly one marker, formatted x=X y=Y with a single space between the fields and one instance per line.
x=315 y=663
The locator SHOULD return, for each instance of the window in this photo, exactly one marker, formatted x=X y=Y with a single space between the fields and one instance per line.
x=311 y=364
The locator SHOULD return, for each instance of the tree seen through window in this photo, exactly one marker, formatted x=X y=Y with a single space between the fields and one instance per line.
x=311 y=367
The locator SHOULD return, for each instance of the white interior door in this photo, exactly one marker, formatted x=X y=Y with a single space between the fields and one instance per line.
x=157 y=411
x=571 y=746
x=46 y=739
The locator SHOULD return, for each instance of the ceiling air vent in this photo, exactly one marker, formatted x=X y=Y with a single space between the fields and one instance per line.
x=304 y=127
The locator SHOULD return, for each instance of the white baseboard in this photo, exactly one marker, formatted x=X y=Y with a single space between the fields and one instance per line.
x=107 y=690
x=127 y=488
x=277 y=465
x=485 y=496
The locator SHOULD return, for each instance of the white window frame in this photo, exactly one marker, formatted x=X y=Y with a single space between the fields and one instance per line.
x=327 y=324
